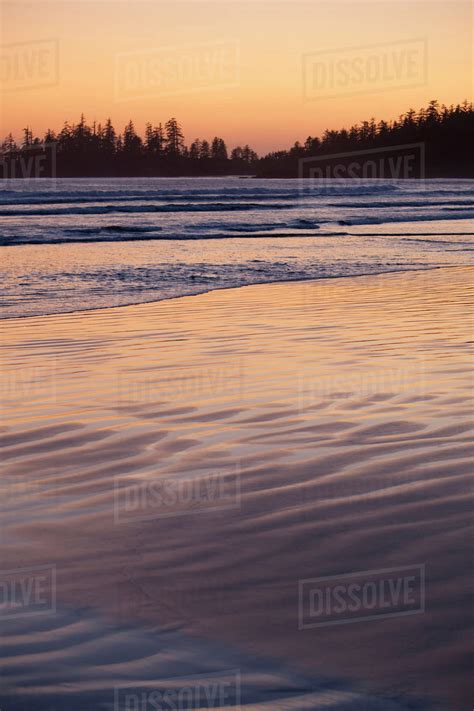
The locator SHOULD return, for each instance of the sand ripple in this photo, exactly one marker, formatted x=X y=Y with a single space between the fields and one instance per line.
x=321 y=428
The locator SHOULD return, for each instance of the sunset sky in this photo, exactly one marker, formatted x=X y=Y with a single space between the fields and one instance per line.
x=235 y=69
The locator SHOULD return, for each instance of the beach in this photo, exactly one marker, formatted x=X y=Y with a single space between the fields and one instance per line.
x=181 y=468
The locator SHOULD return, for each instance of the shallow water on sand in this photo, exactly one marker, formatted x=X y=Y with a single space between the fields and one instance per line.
x=302 y=431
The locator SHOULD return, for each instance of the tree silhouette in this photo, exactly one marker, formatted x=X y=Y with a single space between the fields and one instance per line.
x=204 y=150
x=445 y=132
x=97 y=150
x=174 y=138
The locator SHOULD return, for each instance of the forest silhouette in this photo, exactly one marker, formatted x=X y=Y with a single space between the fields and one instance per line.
x=83 y=150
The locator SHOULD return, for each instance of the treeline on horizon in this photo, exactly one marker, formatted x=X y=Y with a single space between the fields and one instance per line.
x=81 y=150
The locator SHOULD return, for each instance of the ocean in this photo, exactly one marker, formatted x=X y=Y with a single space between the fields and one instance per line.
x=79 y=244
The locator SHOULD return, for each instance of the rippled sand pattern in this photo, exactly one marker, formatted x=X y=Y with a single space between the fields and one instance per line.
x=329 y=427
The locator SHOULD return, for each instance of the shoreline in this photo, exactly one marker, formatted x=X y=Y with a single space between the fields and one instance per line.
x=230 y=288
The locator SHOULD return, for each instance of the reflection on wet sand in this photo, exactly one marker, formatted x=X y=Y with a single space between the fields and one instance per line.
x=184 y=465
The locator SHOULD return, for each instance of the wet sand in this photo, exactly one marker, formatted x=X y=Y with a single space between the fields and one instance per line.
x=183 y=465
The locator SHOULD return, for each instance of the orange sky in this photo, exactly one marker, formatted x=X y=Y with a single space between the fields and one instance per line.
x=266 y=73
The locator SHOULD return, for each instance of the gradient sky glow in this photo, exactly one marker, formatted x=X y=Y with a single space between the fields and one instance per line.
x=263 y=102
